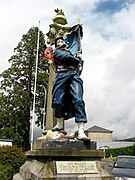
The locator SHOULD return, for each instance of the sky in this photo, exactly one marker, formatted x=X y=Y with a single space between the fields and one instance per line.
x=108 y=52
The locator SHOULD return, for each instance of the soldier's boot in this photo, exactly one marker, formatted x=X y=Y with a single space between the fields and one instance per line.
x=59 y=125
x=81 y=134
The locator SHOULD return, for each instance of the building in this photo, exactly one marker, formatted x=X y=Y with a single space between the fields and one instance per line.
x=5 y=142
x=99 y=134
x=103 y=138
x=132 y=139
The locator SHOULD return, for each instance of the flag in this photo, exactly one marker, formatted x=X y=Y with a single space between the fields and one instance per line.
x=73 y=39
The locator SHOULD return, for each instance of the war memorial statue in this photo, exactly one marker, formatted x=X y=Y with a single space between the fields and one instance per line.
x=57 y=155
x=67 y=90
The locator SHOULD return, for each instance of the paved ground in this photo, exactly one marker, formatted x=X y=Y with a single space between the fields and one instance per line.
x=106 y=165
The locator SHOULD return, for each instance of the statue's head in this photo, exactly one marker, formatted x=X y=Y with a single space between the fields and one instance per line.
x=60 y=43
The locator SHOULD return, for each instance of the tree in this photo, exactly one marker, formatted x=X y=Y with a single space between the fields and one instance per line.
x=17 y=87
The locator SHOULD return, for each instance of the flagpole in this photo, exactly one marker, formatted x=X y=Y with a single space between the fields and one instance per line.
x=79 y=43
x=34 y=99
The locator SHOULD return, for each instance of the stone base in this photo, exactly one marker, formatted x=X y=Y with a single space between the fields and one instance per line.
x=18 y=177
x=58 y=160
x=41 y=170
x=69 y=144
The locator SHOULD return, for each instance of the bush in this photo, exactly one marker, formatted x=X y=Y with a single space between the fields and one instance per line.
x=5 y=172
x=120 y=151
x=11 y=158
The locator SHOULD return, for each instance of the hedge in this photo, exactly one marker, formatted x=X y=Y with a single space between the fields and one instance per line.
x=130 y=150
x=11 y=158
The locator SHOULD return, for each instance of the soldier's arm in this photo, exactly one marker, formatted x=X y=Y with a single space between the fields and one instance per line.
x=66 y=57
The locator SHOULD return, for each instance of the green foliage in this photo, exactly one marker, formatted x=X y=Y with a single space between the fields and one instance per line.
x=120 y=151
x=5 y=172
x=17 y=85
x=133 y=153
x=11 y=158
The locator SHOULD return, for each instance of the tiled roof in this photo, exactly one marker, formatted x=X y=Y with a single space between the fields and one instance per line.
x=97 y=129
x=127 y=139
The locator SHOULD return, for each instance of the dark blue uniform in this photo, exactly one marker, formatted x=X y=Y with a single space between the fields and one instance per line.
x=67 y=92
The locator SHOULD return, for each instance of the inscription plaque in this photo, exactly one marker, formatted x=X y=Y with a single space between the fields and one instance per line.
x=74 y=167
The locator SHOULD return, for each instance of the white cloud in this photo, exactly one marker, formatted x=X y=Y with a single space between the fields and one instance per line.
x=110 y=77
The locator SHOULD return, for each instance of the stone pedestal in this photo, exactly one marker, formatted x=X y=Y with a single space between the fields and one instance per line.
x=50 y=119
x=63 y=160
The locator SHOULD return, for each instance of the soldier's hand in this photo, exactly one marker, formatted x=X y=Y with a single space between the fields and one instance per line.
x=79 y=54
